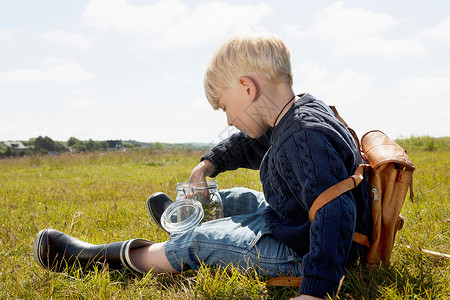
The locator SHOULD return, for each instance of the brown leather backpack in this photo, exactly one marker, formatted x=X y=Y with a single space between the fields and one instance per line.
x=389 y=172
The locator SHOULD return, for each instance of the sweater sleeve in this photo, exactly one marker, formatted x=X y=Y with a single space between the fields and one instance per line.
x=312 y=164
x=238 y=151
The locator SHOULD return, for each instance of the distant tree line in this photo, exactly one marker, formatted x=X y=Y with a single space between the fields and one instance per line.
x=45 y=145
x=87 y=146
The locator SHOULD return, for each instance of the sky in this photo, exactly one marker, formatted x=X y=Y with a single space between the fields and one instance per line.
x=133 y=69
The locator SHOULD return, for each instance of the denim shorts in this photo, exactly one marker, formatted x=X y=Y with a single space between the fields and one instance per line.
x=241 y=239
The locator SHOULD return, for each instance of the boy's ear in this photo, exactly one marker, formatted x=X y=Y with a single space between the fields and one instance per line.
x=249 y=87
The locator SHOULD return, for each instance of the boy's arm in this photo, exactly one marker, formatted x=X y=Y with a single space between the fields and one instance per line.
x=238 y=151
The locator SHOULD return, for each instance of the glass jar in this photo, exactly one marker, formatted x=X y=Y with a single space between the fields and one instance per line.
x=195 y=202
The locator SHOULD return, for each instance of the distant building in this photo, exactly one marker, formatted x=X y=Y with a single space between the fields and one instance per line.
x=16 y=146
x=114 y=145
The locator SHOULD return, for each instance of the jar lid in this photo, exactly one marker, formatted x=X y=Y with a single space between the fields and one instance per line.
x=186 y=186
x=182 y=215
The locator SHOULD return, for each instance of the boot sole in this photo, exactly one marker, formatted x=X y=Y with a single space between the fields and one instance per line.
x=150 y=211
x=125 y=253
x=37 y=248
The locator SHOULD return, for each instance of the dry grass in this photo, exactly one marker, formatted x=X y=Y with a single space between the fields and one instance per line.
x=100 y=198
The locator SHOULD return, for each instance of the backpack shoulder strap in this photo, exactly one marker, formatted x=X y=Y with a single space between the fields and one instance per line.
x=353 y=133
x=335 y=191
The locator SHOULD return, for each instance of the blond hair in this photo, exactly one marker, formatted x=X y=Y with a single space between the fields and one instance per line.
x=247 y=54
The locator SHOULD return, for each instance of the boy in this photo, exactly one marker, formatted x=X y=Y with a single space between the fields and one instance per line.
x=301 y=150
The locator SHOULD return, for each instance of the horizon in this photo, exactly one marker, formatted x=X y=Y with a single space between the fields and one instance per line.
x=190 y=143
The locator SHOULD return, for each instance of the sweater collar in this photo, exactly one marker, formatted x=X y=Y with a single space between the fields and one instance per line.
x=301 y=100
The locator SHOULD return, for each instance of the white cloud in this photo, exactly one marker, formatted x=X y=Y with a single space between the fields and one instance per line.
x=177 y=78
x=337 y=23
x=203 y=23
x=6 y=35
x=416 y=105
x=48 y=70
x=64 y=38
x=24 y=128
x=347 y=87
x=171 y=23
x=422 y=103
x=439 y=34
x=426 y=91
x=81 y=99
x=82 y=104
x=354 y=31
x=380 y=47
x=125 y=17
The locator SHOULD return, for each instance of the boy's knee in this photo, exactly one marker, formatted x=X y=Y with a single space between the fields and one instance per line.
x=238 y=193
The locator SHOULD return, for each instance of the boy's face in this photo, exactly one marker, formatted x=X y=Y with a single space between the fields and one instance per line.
x=238 y=107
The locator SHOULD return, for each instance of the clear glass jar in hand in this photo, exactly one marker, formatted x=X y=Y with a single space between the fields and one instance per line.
x=195 y=202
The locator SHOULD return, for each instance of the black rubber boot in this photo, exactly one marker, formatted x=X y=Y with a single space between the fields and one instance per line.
x=55 y=250
x=156 y=204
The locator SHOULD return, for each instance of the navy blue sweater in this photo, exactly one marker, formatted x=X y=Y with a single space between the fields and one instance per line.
x=307 y=152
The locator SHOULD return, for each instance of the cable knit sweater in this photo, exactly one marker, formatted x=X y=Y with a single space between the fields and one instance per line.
x=307 y=152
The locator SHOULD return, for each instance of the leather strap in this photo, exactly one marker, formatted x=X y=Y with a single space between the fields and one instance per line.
x=285 y=281
x=294 y=281
x=361 y=239
x=336 y=190
x=353 y=133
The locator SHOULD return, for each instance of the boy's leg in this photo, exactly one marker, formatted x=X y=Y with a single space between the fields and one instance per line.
x=242 y=241
x=239 y=201
x=56 y=251
x=152 y=258
x=235 y=201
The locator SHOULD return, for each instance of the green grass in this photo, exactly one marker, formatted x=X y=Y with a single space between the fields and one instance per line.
x=99 y=198
x=425 y=143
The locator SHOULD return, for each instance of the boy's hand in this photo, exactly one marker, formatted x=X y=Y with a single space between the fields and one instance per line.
x=199 y=174
x=201 y=171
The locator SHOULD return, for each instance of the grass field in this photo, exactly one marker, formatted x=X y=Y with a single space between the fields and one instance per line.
x=99 y=198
